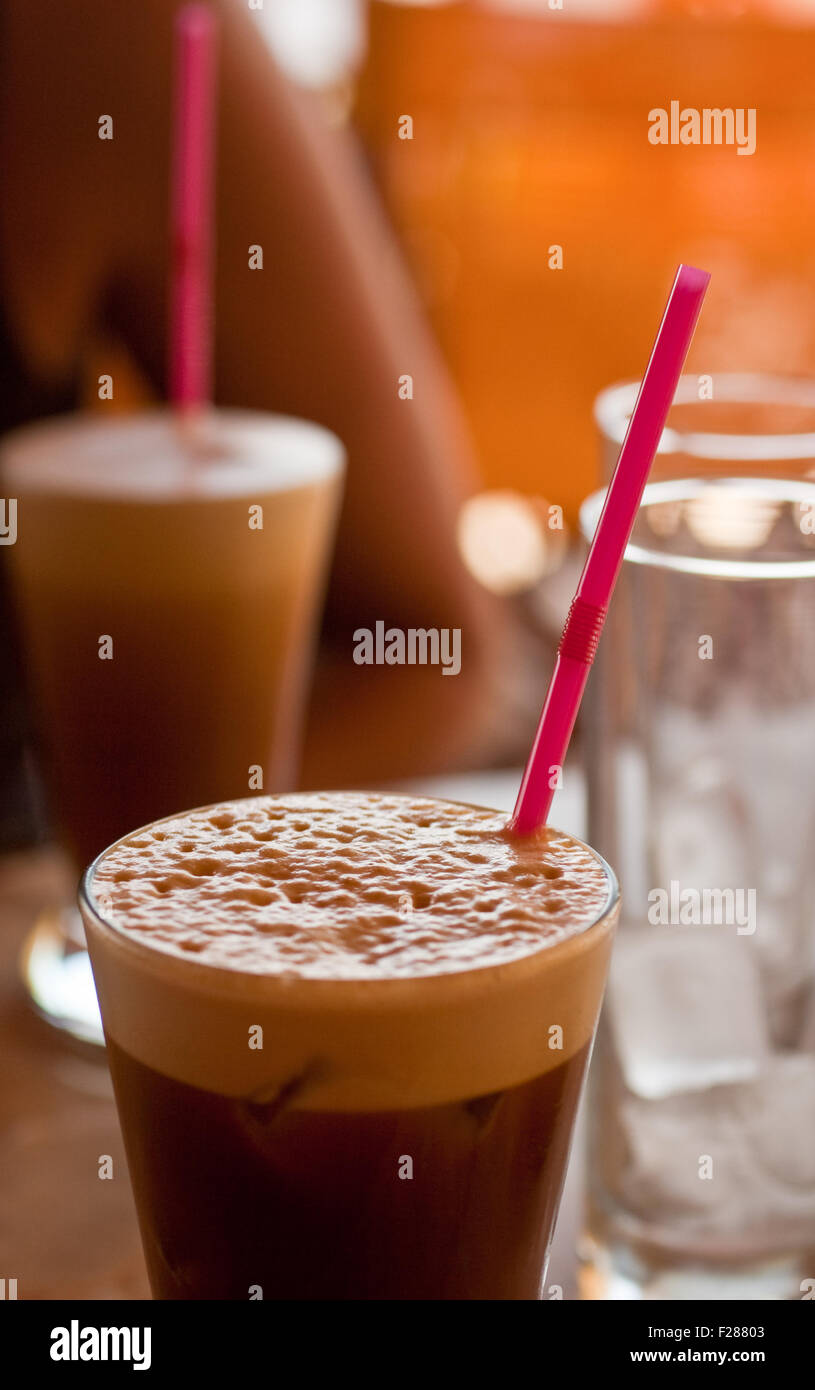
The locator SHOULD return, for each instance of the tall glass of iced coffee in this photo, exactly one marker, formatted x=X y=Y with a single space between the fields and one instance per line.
x=167 y=578
x=347 y=1034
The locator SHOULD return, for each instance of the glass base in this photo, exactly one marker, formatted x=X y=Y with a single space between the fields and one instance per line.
x=620 y=1274
x=56 y=971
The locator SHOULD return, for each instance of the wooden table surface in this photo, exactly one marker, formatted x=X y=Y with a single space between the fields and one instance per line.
x=64 y=1232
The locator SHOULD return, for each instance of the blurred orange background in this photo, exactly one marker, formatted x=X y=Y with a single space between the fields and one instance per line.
x=530 y=130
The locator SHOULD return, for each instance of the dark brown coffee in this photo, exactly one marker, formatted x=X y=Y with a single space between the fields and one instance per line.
x=238 y=1200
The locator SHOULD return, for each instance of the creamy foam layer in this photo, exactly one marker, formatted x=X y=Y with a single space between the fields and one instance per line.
x=348 y=886
x=394 y=950
x=154 y=456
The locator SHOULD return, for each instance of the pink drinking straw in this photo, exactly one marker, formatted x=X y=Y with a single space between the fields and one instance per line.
x=587 y=614
x=191 y=208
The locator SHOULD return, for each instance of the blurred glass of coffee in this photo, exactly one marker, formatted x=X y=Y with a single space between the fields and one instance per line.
x=167 y=577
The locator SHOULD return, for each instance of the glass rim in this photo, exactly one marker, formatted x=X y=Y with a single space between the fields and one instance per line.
x=236 y=981
x=679 y=490
x=613 y=406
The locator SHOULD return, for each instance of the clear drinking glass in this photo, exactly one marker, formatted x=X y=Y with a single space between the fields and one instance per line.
x=700 y=749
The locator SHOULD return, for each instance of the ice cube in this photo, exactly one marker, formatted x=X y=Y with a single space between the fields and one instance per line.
x=757 y=1141
x=686 y=1009
x=699 y=833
